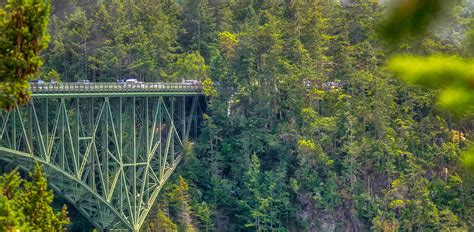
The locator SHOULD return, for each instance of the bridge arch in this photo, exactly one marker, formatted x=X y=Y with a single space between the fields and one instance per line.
x=27 y=162
x=108 y=153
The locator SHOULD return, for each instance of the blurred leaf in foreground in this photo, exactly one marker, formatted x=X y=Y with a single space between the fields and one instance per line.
x=453 y=75
x=410 y=17
x=469 y=158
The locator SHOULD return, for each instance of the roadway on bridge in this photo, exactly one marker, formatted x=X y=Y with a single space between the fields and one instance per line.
x=113 y=89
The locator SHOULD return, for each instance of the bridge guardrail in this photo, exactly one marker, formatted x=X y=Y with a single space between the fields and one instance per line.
x=112 y=87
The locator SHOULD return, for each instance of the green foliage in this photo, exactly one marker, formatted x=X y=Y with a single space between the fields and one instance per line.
x=180 y=197
x=162 y=224
x=469 y=159
x=22 y=37
x=199 y=27
x=36 y=200
x=208 y=88
x=453 y=75
x=69 y=52
x=191 y=66
x=409 y=18
x=228 y=43
x=52 y=75
x=305 y=129
x=204 y=215
x=11 y=214
x=26 y=205
x=114 y=40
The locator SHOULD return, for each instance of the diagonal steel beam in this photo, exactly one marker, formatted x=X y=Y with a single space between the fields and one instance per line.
x=109 y=155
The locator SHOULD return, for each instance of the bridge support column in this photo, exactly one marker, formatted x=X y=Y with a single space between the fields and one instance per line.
x=109 y=156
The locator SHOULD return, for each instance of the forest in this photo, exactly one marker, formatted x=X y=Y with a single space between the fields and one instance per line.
x=308 y=127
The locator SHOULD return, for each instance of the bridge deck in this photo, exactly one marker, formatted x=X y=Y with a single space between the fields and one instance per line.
x=73 y=89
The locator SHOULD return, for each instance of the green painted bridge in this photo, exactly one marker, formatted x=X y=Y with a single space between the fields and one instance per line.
x=107 y=148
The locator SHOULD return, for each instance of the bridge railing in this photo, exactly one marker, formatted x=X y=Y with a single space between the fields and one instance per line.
x=112 y=87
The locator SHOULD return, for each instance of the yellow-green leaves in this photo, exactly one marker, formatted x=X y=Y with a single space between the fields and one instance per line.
x=191 y=66
x=453 y=75
x=208 y=88
x=307 y=145
x=22 y=37
x=228 y=43
x=469 y=158
x=26 y=205
x=397 y=204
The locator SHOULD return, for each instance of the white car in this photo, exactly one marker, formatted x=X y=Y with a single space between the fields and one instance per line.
x=83 y=81
x=191 y=82
x=133 y=83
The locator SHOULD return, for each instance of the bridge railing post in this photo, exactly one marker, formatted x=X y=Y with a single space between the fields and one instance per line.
x=111 y=87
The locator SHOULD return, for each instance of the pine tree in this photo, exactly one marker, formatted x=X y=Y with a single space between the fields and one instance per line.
x=12 y=217
x=22 y=37
x=200 y=27
x=36 y=201
x=27 y=204
x=71 y=47
x=305 y=129
x=162 y=224
x=181 y=198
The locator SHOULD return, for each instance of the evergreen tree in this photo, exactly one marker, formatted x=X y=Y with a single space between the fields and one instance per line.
x=182 y=201
x=27 y=204
x=12 y=217
x=199 y=26
x=305 y=130
x=36 y=200
x=22 y=37
x=70 y=50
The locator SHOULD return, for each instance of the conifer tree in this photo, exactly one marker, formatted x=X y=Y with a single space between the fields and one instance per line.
x=71 y=47
x=26 y=204
x=12 y=217
x=36 y=199
x=22 y=37
x=200 y=25
x=181 y=197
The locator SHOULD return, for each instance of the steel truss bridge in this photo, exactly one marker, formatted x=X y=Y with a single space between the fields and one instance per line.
x=107 y=148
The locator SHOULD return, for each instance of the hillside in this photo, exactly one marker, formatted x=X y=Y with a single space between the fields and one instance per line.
x=308 y=130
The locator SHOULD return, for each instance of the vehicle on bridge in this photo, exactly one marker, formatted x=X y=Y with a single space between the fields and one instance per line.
x=191 y=82
x=83 y=81
x=37 y=81
x=107 y=149
x=133 y=83
x=132 y=86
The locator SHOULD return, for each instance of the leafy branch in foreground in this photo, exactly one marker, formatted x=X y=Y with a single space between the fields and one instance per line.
x=22 y=37
x=453 y=75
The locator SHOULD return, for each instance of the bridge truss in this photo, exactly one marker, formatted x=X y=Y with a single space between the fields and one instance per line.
x=108 y=154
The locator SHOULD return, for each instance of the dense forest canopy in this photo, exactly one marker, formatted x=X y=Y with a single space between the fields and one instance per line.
x=308 y=130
